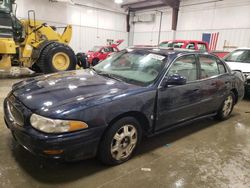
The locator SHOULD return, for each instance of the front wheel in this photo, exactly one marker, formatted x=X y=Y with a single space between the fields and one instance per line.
x=227 y=107
x=120 y=141
x=57 y=57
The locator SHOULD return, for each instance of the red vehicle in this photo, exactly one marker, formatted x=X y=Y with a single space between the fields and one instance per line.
x=99 y=53
x=192 y=45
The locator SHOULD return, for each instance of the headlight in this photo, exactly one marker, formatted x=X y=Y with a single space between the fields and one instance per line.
x=88 y=56
x=48 y=125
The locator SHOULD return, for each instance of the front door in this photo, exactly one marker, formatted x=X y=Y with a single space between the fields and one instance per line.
x=179 y=103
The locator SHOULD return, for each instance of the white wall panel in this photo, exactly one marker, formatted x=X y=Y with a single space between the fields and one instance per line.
x=90 y=26
x=229 y=17
x=146 y=33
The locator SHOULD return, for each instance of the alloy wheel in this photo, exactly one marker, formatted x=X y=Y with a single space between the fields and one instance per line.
x=124 y=142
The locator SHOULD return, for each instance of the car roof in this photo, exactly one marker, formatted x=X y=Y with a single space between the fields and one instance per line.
x=168 y=51
x=185 y=41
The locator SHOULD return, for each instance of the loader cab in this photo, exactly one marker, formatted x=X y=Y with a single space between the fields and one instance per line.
x=6 y=28
x=6 y=5
x=10 y=26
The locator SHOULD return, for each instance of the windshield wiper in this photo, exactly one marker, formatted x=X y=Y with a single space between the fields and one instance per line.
x=112 y=76
x=93 y=69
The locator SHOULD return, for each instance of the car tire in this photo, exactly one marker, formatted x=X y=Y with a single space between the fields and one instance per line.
x=48 y=59
x=95 y=62
x=120 y=141
x=226 y=108
x=82 y=60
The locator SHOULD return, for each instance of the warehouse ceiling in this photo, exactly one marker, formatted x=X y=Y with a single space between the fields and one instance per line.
x=135 y=5
x=132 y=5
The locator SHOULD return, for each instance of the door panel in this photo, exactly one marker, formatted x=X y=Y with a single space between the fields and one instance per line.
x=179 y=103
x=214 y=82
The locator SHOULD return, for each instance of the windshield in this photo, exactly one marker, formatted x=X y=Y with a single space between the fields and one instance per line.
x=137 y=67
x=172 y=44
x=242 y=56
x=96 y=49
x=6 y=5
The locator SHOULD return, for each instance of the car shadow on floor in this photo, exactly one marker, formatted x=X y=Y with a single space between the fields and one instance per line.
x=54 y=172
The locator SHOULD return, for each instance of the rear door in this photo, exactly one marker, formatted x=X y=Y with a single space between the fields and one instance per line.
x=179 y=103
x=214 y=81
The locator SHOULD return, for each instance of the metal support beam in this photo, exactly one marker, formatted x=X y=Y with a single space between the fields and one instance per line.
x=172 y=3
x=148 y=4
x=159 y=35
x=147 y=7
x=134 y=4
x=175 y=12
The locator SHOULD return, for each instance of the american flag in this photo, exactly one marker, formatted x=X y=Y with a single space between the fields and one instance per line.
x=211 y=39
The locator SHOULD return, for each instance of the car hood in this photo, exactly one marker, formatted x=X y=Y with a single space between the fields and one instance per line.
x=244 y=67
x=48 y=93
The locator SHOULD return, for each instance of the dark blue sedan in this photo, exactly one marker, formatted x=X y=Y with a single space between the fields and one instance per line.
x=106 y=110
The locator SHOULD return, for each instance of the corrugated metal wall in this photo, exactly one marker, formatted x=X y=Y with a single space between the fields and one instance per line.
x=229 y=17
x=90 y=26
x=147 y=33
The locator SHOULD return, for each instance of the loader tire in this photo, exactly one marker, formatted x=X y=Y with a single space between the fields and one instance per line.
x=57 y=57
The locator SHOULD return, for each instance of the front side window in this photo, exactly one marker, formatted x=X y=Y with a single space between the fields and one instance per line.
x=209 y=67
x=5 y=5
x=107 y=50
x=190 y=46
x=185 y=66
x=138 y=67
x=242 y=56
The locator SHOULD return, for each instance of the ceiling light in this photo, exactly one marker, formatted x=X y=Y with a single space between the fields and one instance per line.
x=118 y=1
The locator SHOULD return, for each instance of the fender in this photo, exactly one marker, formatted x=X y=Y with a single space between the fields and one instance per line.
x=37 y=51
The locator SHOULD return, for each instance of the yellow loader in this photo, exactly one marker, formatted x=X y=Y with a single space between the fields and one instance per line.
x=33 y=44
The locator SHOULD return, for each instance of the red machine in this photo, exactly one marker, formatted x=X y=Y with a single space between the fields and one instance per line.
x=99 y=53
x=192 y=45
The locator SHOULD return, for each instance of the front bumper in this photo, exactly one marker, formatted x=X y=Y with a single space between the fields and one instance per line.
x=72 y=146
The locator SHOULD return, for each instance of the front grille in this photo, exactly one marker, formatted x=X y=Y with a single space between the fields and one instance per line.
x=15 y=115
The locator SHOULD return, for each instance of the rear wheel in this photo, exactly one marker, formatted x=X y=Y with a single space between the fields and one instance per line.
x=120 y=141
x=95 y=62
x=227 y=107
x=82 y=60
x=57 y=57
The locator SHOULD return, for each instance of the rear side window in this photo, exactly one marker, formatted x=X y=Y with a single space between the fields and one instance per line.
x=185 y=66
x=222 y=68
x=209 y=66
x=201 y=47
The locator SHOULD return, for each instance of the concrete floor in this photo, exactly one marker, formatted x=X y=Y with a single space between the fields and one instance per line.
x=204 y=154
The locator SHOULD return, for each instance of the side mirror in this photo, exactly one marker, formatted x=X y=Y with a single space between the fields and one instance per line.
x=175 y=79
